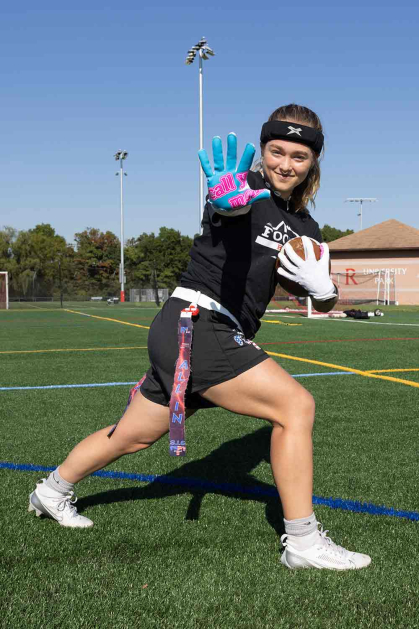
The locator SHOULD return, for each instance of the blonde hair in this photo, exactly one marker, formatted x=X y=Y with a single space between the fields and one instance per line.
x=306 y=191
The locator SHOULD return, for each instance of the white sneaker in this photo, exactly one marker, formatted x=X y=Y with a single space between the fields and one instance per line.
x=60 y=507
x=323 y=554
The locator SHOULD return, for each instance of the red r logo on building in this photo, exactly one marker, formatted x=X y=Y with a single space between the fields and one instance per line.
x=350 y=276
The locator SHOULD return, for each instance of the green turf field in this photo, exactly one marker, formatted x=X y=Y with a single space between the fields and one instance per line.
x=194 y=543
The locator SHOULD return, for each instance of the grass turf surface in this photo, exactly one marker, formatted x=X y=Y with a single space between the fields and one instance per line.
x=170 y=554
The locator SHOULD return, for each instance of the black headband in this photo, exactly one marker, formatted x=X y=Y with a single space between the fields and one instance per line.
x=292 y=132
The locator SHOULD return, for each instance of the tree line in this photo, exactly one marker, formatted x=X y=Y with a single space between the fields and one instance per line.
x=41 y=263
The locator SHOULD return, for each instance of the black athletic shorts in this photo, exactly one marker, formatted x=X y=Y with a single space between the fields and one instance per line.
x=220 y=352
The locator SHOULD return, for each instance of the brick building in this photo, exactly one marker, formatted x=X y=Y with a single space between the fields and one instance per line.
x=383 y=256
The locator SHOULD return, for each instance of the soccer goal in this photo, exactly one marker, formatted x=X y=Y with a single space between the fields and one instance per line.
x=286 y=304
x=386 y=292
x=376 y=286
x=4 y=290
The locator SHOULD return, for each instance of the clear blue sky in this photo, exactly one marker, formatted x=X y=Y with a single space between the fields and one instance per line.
x=82 y=80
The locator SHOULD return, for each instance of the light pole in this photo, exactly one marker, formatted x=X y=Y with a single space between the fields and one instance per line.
x=60 y=277
x=361 y=201
x=204 y=52
x=121 y=155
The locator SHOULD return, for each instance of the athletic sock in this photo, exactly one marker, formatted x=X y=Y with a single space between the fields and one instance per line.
x=302 y=532
x=57 y=482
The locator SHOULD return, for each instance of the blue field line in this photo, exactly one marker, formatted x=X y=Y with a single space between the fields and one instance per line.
x=70 y=386
x=329 y=373
x=332 y=503
x=123 y=384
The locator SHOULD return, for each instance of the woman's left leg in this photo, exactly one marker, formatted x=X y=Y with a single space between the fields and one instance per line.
x=269 y=392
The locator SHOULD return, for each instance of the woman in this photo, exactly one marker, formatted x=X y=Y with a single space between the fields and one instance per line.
x=230 y=279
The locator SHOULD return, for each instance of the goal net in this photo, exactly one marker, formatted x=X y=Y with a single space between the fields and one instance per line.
x=4 y=290
x=376 y=287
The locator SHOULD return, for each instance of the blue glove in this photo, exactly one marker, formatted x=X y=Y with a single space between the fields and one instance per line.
x=227 y=187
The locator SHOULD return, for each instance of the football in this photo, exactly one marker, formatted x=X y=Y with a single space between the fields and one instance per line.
x=298 y=246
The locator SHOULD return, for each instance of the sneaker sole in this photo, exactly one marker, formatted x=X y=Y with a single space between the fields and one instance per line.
x=302 y=563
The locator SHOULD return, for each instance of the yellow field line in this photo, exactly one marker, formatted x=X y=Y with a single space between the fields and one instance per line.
x=279 y=322
x=135 y=325
x=86 y=349
x=366 y=374
x=389 y=370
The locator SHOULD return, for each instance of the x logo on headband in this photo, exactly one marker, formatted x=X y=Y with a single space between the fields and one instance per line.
x=294 y=130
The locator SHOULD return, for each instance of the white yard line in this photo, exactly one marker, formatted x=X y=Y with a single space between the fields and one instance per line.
x=350 y=320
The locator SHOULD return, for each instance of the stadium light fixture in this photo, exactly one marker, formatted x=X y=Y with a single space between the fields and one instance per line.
x=204 y=52
x=120 y=156
x=361 y=200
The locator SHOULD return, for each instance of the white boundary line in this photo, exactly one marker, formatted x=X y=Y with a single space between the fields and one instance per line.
x=350 y=320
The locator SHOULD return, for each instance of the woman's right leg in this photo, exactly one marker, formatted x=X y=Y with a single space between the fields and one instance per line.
x=143 y=424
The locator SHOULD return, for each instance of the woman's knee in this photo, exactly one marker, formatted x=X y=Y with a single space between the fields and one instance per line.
x=132 y=448
x=130 y=444
x=308 y=405
x=134 y=434
x=298 y=411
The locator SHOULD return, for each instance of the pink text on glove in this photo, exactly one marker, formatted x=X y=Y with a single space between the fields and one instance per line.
x=227 y=185
x=243 y=199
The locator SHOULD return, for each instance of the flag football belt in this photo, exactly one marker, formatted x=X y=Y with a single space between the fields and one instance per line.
x=177 y=442
x=197 y=298
x=132 y=392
